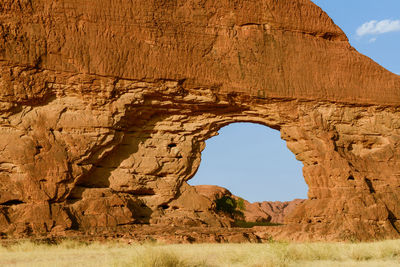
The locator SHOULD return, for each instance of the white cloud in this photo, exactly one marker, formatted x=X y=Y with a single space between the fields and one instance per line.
x=378 y=27
x=372 y=40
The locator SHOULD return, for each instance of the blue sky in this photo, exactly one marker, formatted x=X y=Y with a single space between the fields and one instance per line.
x=251 y=160
x=381 y=46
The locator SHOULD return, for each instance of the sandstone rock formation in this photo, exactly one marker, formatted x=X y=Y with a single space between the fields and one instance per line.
x=266 y=211
x=105 y=107
x=279 y=210
x=250 y=213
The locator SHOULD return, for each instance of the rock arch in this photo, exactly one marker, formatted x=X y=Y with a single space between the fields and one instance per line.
x=104 y=112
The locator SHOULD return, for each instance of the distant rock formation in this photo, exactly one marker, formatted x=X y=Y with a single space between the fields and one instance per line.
x=266 y=211
x=278 y=210
x=105 y=107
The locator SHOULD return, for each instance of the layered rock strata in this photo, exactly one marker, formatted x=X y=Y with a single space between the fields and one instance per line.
x=106 y=105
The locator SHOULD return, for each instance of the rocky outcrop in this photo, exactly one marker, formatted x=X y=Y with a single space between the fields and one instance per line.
x=279 y=210
x=266 y=211
x=248 y=212
x=106 y=105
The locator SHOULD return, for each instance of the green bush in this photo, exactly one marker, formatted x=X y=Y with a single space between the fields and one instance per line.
x=240 y=204
x=230 y=206
x=226 y=204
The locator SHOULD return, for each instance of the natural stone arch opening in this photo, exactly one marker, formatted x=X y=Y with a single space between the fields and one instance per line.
x=207 y=126
x=253 y=162
x=250 y=175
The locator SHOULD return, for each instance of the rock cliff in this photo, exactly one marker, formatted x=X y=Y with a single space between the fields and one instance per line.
x=106 y=105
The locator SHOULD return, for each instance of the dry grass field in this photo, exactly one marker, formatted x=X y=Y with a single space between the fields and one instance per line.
x=72 y=253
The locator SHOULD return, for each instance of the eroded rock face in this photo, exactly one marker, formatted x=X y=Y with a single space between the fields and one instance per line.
x=279 y=210
x=105 y=107
x=266 y=211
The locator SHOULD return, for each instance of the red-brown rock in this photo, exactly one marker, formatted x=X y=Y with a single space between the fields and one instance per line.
x=279 y=210
x=106 y=105
x=266 y=211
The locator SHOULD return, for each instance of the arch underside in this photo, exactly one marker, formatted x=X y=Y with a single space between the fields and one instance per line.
x=94 y=173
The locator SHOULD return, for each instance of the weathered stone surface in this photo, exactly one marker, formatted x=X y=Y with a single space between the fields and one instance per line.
x=252 y=212
x=279 y=210
x=105 y=107
x=266 y=211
